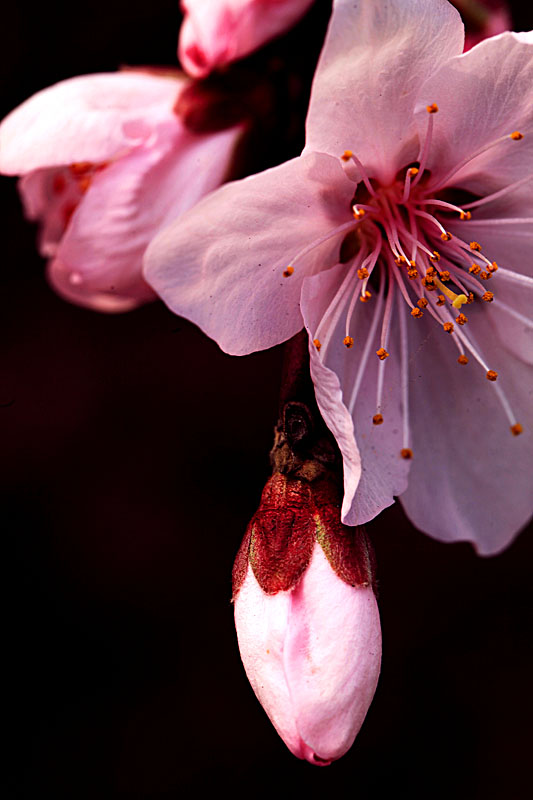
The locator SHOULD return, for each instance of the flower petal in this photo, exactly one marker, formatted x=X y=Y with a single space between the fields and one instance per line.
x=376 y=56
x=470 y=478
x=221 y=265
x=87 y=118
x=99 y=260
x=331 y=656
x=261 y=621
x=217 y=32
x=482 y=95
x=374 y=472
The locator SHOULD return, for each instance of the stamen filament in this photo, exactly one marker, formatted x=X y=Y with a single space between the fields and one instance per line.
x=443 y=181
x=369 y=343
x=500 y=193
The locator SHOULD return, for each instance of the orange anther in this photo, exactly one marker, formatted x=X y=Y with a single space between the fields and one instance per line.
x=382 y=354
x=406 y=453
x=417 y=313
x=491 y=375
x=377 y=419
x=516 y=429
x=475 y=246
x=317 y=343
x=488 y=297
x=462 y=359
x=288 y=271
x=448 y=327
x=348 y=341
x=516 y=135
x=432 y=109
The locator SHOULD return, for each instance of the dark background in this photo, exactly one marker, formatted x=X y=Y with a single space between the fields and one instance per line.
x=133 y=454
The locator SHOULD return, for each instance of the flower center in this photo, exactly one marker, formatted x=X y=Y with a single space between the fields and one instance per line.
x=406 y=251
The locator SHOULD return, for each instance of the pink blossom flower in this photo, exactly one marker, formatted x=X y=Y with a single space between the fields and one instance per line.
x=216 y=32
x=307 y=619
x=413 y=194
x=106 y=163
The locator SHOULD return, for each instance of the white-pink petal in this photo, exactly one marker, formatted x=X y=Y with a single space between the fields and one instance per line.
x=482 y=95
x=375 y=59
x=470 y=477
x=374 y=472
x=221 y=265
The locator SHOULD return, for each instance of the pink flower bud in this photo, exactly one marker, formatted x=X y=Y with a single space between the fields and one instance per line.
x=216 y=32
x=311 y=649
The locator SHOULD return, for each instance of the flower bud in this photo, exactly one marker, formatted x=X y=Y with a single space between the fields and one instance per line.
x=307 y=618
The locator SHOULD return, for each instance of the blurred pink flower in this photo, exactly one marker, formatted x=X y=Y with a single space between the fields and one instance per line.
x=442 y=161
x=307 y=619
x=483 y=18
x=106 y=163
x=216 y=32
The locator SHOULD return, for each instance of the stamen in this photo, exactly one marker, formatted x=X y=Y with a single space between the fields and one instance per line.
x=500 y=193
x=382 y=354
x=448 y=327
x=364 y=175
x=492 y=375
x=288 y=271
x=346 y=156
x=348 y=341
x=346 y=226
x=377 y=419
x=366 y=350
x=317 y=344
x=424 y=152
x=443 y=181
x=516 y=429
x=406 y=453
x=404 y=373
x=462 y=359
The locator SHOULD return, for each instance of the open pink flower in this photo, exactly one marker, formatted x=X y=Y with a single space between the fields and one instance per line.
x=307 y=619
x=106 y=163
x=216 y=32
x=413 y=194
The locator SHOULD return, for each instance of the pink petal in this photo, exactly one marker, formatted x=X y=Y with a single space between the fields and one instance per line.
x=49 y=197
x=331 y=657
x=376 y=57
x=482 y=95
x=374 y=473
x=261 y=621
x=217 y=32
x=88 y=118
x=99 y=260
x=470 y=478
x=222 y=264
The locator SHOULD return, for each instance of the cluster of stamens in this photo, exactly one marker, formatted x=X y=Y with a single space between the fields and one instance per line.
x=404 y=242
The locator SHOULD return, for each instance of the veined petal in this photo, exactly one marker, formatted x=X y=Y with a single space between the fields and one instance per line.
x=221 y=265
x=87 y=118
x=375 y=59
x=374 y=472
x=482 y=95
x=470 y=477
x=99 y=260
